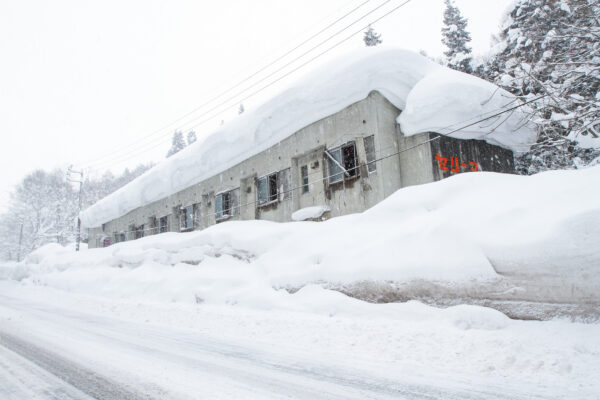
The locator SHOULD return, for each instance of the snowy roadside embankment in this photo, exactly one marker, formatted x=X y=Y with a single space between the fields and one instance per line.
x=482 y=235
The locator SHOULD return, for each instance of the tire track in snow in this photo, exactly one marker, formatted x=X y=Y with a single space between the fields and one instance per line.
x=78 y=376
x=250 y=370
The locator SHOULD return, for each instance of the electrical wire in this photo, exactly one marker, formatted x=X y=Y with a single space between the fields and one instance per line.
x=326 y=178
x=147 y=147
x=247 y=78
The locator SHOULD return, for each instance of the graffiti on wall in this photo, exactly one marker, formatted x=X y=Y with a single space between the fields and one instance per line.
x=455 y=164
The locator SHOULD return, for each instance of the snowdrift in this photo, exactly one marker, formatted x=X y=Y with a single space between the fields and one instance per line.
x=434 y=99
x=469 y=229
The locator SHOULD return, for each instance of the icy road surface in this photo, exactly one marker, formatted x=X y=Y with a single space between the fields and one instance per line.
x=51 y=352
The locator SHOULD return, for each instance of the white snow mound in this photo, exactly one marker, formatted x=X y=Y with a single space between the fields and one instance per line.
x=542 y=230
x=309 y=212
x=432 y=97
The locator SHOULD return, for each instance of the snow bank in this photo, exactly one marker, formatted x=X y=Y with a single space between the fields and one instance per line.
x=464 y=230
x=432 y=96
x=309 y=213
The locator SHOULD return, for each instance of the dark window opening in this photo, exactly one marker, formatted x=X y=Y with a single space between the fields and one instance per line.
x=153 y=226
x=163 y=224
x=349 y=156
x=272 y=187
x=139 y=232
x=304 y=174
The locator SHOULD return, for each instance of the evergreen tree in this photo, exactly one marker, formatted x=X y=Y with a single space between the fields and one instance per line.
x=552 y=48
x=371 y=38
x=241 y=109
x=178 y=143
x=191 y=137
x=456 y=38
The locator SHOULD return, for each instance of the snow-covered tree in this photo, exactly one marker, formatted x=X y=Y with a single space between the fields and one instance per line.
x=371 y=38
x=241 y=109
x=456 y=38
x=177 y=143
x=191 y=137
x=45 y=206
x=551 y=48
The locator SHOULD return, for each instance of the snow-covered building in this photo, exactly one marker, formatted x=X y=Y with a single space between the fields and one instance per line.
x=338 y=141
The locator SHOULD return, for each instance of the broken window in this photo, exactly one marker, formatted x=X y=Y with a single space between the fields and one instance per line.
x=342 y=161
x=186 y=218
x=223 y=205
x=266 y=188
x=304 y=176
x=369 y=143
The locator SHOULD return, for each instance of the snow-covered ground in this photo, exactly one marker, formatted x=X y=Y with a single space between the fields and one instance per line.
x=266 y=289
x=528 y=238
x=359 y=351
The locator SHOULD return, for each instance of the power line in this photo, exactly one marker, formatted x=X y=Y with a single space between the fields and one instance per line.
x=150 y=146
x=283 y=192
x=265 y=67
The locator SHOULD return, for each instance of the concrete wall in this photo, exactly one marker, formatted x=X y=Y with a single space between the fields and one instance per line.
x=374 y=115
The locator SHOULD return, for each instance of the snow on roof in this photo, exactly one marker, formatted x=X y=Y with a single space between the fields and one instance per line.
x=432 y=97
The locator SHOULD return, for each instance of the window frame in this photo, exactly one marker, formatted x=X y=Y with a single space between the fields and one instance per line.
x=120 y=237
x=220 y=215
x=163 y=227
x=139 y=232
x=371 y=164
x=353 y=173
x=269 y=179
x=304 y=178
x=186 y=218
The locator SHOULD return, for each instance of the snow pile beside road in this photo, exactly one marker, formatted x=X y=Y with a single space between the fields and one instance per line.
x=432 y=97
x=465 y=230
x=309 y=213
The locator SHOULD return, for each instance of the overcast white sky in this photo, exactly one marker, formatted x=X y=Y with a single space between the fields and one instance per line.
x=86 y=82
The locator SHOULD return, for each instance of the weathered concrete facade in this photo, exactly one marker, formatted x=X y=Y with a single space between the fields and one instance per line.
x=300 y=172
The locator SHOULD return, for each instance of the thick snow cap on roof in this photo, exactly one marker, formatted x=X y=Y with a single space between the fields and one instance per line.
x=433 y=99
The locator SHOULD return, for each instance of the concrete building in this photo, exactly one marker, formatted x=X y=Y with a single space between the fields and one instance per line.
x=346 y=162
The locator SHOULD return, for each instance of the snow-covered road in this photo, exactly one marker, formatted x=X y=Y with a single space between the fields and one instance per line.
x=48 y=351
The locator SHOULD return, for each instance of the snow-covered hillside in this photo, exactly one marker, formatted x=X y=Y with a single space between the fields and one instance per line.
x=434 y=99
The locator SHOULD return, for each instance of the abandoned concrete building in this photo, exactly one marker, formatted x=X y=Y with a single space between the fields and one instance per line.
x=344 y=163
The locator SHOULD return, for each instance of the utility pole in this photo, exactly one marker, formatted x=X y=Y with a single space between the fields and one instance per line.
x=80 y=181
x=20 y=241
